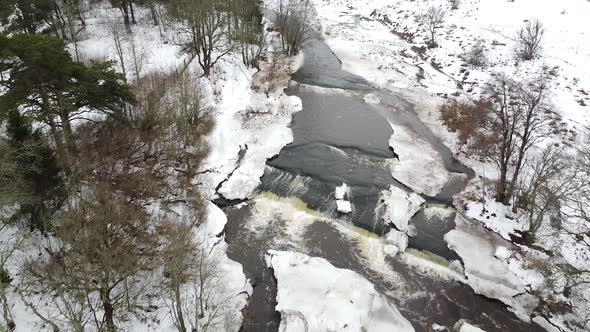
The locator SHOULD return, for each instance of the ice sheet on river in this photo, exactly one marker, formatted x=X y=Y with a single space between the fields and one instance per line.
x=313 y=295
x=486 y=274
x=419 y=166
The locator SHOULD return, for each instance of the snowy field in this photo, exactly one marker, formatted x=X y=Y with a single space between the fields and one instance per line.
x=396 y=63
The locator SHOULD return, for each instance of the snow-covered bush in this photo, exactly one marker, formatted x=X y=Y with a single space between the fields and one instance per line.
x=477 y=56
x=529 y=39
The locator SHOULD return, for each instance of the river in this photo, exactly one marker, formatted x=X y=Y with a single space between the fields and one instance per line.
x=340 y=138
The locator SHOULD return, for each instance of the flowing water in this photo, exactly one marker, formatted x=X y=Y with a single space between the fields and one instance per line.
x=339 y=138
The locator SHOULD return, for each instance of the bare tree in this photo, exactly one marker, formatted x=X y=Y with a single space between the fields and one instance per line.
x=549 y=179
x=139 y=55
x=206 y=29
x=248 y=30
x=126 y=7
x=576 y=227
x=178 y=258
x=118 y=35
x=106 y=241
x=433 y=19
x=68 y=21
x=9 y=246
x=192 y=122
x=533 y=108
x=292 y=22
x=500 y=140
x=505 y=127
x=529 y=39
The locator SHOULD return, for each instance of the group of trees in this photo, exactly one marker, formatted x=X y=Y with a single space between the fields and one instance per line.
x=211 y=28
x=291 y=21
x=85 y=157
x=94 y=162
x=513 y=126
x=507 y=124
x=214 y=28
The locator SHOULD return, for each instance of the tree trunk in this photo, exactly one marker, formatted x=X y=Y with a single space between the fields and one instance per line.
x=125 y=13
x=179 y=313
x=132 y=12
x=107 y=307
x=154 y=13
x=501 y=186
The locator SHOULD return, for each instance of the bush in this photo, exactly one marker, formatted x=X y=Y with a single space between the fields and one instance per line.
x=464 y=117
x=529 y=39
x=455 y=4
x=477 y=56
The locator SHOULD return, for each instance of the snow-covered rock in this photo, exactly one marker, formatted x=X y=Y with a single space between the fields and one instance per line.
x=313 y=295
x=397 y=239
x=342 y=192
x=541 y=321
x=463 y=326
x=456 y=266
x=343 y=206
x=390 y=250
x=400 y=206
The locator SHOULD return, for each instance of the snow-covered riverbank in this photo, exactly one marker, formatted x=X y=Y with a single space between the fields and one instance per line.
x=383 y=42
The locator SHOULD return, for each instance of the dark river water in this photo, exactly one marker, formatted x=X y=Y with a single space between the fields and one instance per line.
x=339 y=138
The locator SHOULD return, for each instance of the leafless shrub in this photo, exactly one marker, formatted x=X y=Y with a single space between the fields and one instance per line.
x=10 y=245
x=529 y=39
x=476 y=56
x=465 y=118
x=433 y=19
x=272 y=75
x=455 y=4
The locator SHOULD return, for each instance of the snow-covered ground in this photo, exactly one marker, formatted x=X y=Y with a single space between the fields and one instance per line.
x=360 y=33
x=248 y=122
x=313 y=295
